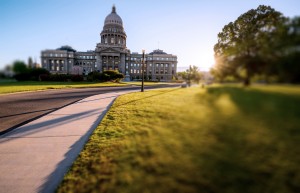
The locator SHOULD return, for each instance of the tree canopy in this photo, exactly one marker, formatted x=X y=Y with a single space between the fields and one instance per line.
x=191 y=74
x=254 y=44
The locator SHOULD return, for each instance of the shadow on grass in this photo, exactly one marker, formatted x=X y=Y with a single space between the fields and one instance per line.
x=254 y=149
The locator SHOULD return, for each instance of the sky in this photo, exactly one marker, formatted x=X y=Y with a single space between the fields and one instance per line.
x=186 y=28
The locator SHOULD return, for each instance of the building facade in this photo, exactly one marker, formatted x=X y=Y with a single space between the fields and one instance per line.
x=111 y=54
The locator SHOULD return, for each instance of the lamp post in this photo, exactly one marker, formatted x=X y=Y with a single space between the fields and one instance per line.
x=143 y=69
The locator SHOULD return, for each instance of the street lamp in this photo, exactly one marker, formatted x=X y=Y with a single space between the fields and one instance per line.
x=143 y=68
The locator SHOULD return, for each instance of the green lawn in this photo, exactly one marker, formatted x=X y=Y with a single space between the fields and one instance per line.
x=11 y=87
x=220 y=139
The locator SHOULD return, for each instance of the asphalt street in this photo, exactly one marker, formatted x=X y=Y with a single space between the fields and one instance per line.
x=20 y=108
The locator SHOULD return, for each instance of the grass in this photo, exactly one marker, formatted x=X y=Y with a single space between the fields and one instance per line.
x=11 y=87
x=220 y=139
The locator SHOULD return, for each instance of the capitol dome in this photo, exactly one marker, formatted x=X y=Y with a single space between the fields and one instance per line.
x=113 y=31
x=113 y=18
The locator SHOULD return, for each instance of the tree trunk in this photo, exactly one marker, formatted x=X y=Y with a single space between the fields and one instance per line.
x=247 y=81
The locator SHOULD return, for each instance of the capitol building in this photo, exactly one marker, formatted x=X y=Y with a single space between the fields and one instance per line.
x=111 y=54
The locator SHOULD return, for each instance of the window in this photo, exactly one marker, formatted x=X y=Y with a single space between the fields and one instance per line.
x=150 y=65
x=45 y=61
x=105 y=40
x=167 y=65
x=55 y=55
x=161 y=65
x=57 y=68
x=50 y=55
x=112 y=40
x=119 y=41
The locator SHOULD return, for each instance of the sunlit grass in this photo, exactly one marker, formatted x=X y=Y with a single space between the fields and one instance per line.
x=217 y=139
x=11 y=87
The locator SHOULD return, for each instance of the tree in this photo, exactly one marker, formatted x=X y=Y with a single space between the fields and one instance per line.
x=245 y=45
x=30 y=63
x=19 y=67
x=194 y=74
x=288 y=65
x=191 y=74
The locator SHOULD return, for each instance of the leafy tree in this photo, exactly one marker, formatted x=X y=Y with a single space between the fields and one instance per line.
x=183 y=75
x=245 y=45
x=19 y=67
x=288 y=65
x=191 y=74
x=194 y=74
x=30 y=62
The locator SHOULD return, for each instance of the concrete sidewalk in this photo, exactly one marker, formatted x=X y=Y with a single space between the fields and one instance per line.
x=35 y=156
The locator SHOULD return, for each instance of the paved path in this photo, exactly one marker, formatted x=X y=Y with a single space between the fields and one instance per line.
x=35 y=156
x=19 y=108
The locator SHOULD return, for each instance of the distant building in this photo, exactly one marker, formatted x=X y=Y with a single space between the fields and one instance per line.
x=111 y=54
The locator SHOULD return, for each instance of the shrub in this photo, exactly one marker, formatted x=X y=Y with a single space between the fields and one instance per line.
x=44 y=77
x=22 y=76
x=94 y=76
x=76 y=78
x=36 y=72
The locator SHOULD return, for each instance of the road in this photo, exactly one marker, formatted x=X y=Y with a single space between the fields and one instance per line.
x=20 y=108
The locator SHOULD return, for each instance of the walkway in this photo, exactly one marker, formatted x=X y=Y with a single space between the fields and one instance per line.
x=35 y=156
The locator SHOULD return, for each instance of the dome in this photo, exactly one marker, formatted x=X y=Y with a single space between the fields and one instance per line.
x=158 y=51
x=113 y=18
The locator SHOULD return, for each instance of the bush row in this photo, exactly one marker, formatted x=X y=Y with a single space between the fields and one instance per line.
x=109 y=75
x=61 y=77
x=31 y=74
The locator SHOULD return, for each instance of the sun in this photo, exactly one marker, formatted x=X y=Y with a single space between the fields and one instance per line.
x=206 y=61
